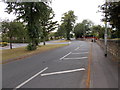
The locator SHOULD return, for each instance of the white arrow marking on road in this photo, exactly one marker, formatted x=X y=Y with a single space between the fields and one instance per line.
x=30 y=78
x=61 y=72
x=65 y=56
x=76 y=58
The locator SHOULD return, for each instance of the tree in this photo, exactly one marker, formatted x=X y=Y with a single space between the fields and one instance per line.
x=51 y=35
x=47 y=24
x=87 y=26
x=68 y=21
x=12 y=29
x=79 y=30
x=98 y=31
x=31 y=13
x=112 y=14
x=61 y=31
x=82 y=29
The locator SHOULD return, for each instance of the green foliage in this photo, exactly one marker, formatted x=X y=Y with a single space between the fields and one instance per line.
x=68 y=21
x=79 y=30
x=12 y=29
x=47 y=24
x=112 y=15
x=82 y=29
x=31 y=13
x=61 y=31
x=31 y=47
x=98 y=31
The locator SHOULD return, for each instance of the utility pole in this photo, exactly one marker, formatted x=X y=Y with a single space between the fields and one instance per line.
x=105 y=35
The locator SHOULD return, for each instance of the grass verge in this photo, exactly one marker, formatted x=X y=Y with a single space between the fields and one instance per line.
x=20 y=53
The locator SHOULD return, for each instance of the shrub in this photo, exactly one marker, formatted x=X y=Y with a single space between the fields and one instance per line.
x=31 y=47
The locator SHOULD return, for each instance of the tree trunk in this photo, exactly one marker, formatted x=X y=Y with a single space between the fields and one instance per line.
x=36 y=42
x=44 y=41
x=10 y=42
x=23 y=40
x=68 y=36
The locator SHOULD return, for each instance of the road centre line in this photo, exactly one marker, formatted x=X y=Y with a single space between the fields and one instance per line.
x=30 y=78
x=61 y=72
x=76 y=58
x=79 y=53
x=65 y=56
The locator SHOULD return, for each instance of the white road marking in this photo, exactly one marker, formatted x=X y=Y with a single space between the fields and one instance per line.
x=79 y=53
x=77 y=48
x=84 y=49
x=30 y=78
x=69 y=42
x=65 y=56
x=61 y=72
x=77 y=58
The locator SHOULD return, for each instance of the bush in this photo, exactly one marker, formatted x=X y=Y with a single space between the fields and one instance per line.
x=2 y=44
x=31 y=47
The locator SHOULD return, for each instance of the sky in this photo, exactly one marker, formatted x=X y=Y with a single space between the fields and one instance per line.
x=83 y=9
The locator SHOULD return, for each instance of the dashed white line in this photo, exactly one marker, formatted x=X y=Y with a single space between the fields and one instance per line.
x=65 y=56
x=30 y=78
x=61 y=72
x=77 y=58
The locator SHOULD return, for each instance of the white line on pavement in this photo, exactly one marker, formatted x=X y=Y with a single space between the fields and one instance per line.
x=30 y=78
x=65 y=56
x=77 y=48
x=79 y=53
x=76 y=58
x=61 y=72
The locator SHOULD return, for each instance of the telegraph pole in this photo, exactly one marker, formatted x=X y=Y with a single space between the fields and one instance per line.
x=105 y=35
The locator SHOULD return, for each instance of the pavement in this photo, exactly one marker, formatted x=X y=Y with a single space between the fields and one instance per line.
x=104 y=71
x=78 y=65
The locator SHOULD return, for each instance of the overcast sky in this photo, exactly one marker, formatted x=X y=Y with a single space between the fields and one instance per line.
x=83 y=9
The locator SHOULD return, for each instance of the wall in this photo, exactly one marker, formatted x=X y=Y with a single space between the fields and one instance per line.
x=113 y=47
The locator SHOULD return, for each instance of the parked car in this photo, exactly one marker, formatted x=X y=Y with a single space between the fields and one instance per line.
x=2 y=44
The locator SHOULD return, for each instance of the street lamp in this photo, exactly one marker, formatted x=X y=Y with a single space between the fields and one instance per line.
x=105 y=39
x=105 y=35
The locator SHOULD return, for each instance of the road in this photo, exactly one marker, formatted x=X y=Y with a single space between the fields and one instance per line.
x=65 y=67
x=17 y=45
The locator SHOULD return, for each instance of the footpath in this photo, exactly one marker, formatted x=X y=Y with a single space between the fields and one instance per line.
x=104 y=71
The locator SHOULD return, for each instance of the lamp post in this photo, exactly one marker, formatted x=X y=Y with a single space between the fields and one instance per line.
x=105 y=35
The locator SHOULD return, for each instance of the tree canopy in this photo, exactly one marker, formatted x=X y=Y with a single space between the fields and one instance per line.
x=68 y=21
x=83 y=28
x=112 y=14
x=13 y=29
x=37 y=17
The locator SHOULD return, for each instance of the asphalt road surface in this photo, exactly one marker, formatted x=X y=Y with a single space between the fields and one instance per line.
x=65 y=67
x=17 y=45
